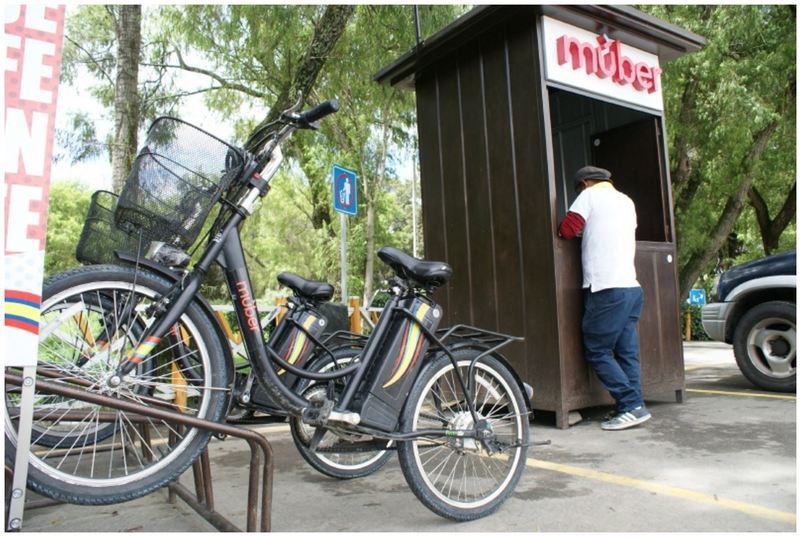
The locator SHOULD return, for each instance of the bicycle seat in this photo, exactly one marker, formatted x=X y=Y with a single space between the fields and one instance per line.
x=426 y=273
x=318 y=291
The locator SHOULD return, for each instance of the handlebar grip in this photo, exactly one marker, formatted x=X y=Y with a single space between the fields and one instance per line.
x=320 y=111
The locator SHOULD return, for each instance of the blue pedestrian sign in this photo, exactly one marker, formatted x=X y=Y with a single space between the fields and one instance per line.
x=697 y=297
x=345 y=192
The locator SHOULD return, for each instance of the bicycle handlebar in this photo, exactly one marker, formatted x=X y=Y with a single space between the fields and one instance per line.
x=323 y=109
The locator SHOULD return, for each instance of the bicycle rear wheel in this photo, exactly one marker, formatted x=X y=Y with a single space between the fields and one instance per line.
x=458 y=477
x=339 y=454
x=92 y=318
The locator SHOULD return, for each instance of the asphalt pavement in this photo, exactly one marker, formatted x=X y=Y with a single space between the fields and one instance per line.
x=722 y=461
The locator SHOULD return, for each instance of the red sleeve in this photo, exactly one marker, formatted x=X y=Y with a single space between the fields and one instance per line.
x=571 y=226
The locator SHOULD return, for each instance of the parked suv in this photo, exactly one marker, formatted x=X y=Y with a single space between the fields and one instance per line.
x=755 y=310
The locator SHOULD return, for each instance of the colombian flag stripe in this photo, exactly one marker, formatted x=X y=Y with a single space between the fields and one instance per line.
x=16 y=296
x=22 y=310
x=22 y=324
x=412 y=347
x=23 y=302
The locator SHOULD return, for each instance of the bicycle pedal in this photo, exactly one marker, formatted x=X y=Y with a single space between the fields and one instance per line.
x=317 y=412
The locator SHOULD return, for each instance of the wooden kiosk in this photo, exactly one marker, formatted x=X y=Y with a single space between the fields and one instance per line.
x=511 y=100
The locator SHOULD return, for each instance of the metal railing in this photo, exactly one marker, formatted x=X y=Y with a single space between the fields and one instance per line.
x=203 y=500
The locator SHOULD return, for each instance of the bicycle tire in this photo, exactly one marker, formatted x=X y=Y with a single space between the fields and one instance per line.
x=496 y=386
x=167 y=457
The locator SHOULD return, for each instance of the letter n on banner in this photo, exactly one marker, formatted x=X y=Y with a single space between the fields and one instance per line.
x=33 y=42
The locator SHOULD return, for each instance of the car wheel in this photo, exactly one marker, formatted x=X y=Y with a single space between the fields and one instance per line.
x=765 y=345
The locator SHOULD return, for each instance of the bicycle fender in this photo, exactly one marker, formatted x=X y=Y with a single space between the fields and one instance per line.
x=500 y=358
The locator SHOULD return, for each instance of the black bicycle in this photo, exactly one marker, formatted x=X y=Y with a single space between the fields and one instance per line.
x=447 y=399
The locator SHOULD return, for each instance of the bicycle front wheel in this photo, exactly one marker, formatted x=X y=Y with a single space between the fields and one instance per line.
x=456 y=476
x=92 y=318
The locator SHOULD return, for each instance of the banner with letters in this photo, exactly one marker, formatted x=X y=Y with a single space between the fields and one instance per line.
x=33 y=44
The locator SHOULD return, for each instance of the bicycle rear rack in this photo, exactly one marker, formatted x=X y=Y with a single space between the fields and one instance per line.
x=203 y=500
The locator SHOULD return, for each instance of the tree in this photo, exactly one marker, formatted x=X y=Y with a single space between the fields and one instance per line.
x=117 y=49
x=731 y=111
x=69 y=202
x=127 y=21
x=374 y=119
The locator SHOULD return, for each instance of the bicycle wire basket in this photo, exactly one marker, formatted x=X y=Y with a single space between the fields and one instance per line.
x=101 y=237
x=176 y=179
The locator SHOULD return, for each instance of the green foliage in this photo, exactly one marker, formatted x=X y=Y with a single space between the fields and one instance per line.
x=698 y=332
x=717 y=101
x=69 y=202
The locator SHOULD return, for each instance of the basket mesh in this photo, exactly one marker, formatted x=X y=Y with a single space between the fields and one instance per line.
x=176 y=179
x=100 y=237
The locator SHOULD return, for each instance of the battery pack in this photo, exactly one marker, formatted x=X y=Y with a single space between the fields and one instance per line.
x=397 y=363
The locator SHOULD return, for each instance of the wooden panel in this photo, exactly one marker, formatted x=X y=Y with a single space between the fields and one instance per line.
x=477 y=184
x=452 y=162
x=505 y=220
x=432 y=192
x=661 y=351
x=539 y=362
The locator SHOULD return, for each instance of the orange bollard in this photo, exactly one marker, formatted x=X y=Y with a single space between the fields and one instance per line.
x=355 y=319
x=689 y=325
x=281 y=303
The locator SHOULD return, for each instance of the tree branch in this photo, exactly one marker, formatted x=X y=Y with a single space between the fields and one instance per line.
x=92 y=59
x=733 y=207
x=223 y=82
x=327 y=32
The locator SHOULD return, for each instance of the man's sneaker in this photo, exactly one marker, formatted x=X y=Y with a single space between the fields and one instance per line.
x=626 y=420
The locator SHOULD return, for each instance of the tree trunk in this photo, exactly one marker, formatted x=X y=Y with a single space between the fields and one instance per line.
x=128 y=32
x=772 y=229
x=733 y=207
x=372 y=200
x=326 y=34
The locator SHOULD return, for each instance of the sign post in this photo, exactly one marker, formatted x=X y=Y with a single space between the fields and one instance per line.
x=33 y=41
x=345 y=202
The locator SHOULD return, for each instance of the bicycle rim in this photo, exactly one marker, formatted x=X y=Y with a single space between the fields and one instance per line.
x=467 y=477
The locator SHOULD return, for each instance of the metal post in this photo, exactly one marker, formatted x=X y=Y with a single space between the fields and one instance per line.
x=414 y=208
x=416 y=25
x=17 y=503
x=343 y=233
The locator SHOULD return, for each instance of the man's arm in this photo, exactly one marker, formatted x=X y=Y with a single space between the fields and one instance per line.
x=571 y=226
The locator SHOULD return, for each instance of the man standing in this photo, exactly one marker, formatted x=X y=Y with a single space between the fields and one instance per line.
x=613 y=299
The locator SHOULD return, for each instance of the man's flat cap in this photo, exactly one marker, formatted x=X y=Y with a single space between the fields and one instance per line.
x=593 y=173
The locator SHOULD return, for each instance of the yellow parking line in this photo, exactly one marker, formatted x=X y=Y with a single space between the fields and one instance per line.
x=744 y=394
x=746 y=508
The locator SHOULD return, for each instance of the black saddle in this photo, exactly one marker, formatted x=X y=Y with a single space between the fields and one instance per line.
x=430 y=274
x=317 y=291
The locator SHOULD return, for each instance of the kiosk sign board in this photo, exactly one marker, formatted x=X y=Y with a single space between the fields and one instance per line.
x=601 y=65
x=33 y=41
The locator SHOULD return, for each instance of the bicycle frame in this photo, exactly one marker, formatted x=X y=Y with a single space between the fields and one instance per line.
x=226 y=249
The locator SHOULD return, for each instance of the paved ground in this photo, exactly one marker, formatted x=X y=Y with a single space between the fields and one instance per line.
x=725 y=460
